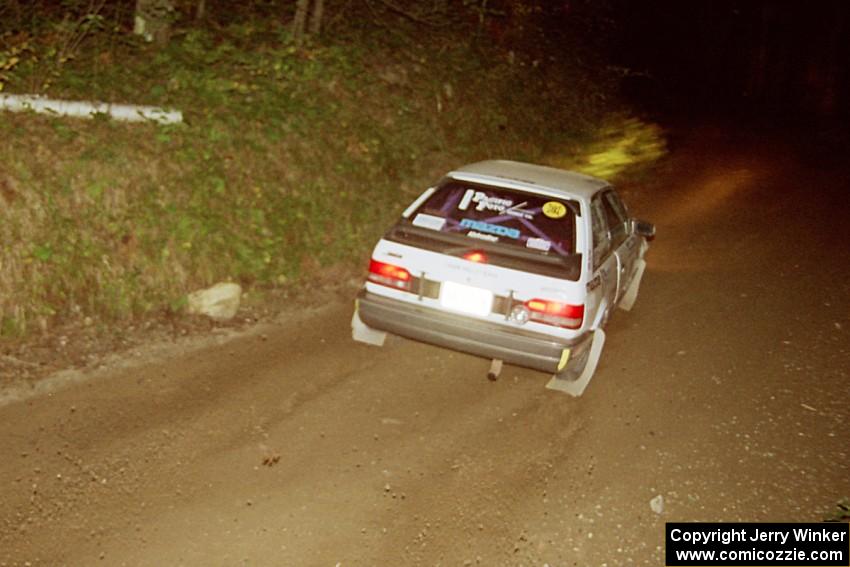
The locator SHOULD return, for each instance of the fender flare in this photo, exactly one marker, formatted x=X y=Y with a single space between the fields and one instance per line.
x=601 y=313
x=628 y=299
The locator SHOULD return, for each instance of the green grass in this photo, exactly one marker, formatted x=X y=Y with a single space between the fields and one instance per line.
x=288 y=161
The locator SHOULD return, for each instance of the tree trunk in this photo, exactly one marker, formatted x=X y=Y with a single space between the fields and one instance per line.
x=153 y=20
x=201 y=10
x=298 y=22
x=316 y=18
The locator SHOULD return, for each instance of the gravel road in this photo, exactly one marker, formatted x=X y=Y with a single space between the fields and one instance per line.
x=725 y=392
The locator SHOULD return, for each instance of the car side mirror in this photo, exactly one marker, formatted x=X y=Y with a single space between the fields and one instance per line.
x=643 y=228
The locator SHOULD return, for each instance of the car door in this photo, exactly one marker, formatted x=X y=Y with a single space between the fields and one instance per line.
x=605 y=263
x=624 y=244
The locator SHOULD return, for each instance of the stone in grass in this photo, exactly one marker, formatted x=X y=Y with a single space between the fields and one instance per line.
x=657 y=504
x=219 y=302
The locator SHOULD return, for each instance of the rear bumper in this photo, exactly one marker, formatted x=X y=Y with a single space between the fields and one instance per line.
x=466 y=334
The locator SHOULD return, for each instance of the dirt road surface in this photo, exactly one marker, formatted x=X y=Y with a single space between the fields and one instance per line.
x=725 y=392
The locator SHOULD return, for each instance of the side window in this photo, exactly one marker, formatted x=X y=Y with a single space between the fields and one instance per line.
x=615 y=214
x=601 y=243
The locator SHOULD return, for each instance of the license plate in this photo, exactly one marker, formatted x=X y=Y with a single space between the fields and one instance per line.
x=466 y=299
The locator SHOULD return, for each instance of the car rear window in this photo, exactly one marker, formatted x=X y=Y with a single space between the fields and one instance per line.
x=534 y=223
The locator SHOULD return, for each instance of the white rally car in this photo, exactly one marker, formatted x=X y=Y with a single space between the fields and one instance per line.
x=510 y=261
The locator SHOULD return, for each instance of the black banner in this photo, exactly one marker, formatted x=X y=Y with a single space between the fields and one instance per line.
x=762 y=545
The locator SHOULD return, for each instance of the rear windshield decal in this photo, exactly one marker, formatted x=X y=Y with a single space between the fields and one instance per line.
x=538 y=244
x=484 y=202
x=554 y=210
x=511 y=217
x=482 y=236
x=490 y=228
x=429 y=221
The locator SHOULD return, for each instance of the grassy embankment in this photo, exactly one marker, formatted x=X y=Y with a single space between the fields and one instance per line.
x=289 y=161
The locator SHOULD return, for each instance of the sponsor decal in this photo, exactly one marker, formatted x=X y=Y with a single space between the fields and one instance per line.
x=429 y=221
x=538 y=244
x=565 y=356
x=518 y=211
x=484 y=202
x=554 y=210
x=482 y=236
x=488 y=228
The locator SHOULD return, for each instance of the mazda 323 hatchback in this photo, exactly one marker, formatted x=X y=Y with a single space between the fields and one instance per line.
x=510 y=261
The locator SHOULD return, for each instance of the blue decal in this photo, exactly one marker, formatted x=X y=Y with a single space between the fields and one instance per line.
x=490 y=228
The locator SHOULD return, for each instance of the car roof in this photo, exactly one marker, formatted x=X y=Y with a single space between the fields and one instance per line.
x=521 y=175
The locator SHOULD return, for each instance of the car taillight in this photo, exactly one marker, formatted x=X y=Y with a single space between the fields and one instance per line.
x=476 y=256
x=389 y=275
x=555 y=313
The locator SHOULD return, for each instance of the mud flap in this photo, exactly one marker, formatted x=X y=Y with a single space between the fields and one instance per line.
x=363 y=333
x=630 y=296
x=576 y=387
